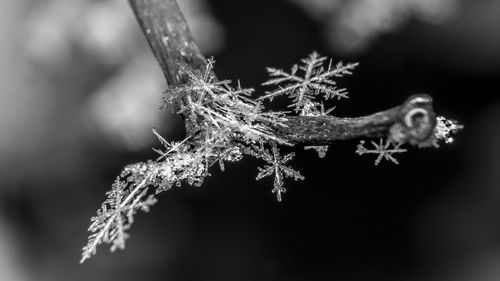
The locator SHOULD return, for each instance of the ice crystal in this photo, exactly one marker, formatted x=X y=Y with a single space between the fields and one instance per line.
x=384 y=150
x=223 y=106
x=128 y=194
x=231 y=154
x=321 y=150
x=445 y=128
x=316 y=80
x=169 y=148
x=276 y=165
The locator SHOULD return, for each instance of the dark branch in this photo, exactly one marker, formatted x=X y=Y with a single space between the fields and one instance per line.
x=172 y=43
x=412 y=122
x=169 y=36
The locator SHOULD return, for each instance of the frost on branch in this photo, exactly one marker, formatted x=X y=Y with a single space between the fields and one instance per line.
x=219 y=106
x=316 y=109
x=445 y=128
x=384 y=150
x=316 y=80
x=131 y=192
x=226 y=124
x=443 y=131
x=127 y=195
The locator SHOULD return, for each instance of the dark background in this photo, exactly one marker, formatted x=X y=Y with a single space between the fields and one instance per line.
x=436 y=216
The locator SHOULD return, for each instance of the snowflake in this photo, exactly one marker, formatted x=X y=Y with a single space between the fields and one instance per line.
x=276 y=165
x=384 y=151
x=444 y=129
x=316 y=80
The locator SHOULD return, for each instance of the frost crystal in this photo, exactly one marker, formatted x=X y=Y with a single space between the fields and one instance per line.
x=321 y=150
x=222 y=106
x=444 y=130
x=384 y=151
x=276 y=164
x=128 y=194
x=169 y=147
x=315 y=81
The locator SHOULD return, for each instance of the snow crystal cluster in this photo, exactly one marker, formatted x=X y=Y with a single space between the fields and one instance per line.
x=226 y=125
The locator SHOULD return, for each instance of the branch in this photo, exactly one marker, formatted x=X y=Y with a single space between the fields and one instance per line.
x=412 y=122
x=172 y=43
x=168 y=34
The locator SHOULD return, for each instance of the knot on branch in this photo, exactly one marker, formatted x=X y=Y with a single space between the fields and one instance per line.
x=416 y=122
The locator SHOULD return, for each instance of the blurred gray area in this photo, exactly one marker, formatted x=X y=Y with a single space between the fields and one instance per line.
x=81 y=92
x=350 y=27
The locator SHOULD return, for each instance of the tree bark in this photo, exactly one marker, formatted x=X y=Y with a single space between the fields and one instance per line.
x=172 y=43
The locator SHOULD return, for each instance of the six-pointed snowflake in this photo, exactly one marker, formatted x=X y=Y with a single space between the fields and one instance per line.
x=276 y=165
x=383 y=150
x=316 y=80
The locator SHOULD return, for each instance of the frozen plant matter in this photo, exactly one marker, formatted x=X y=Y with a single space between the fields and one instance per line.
x=445 y=129
x=224 y=123
x=231 y=124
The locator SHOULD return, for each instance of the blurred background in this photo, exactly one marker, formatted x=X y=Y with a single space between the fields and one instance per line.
x=81 y=91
